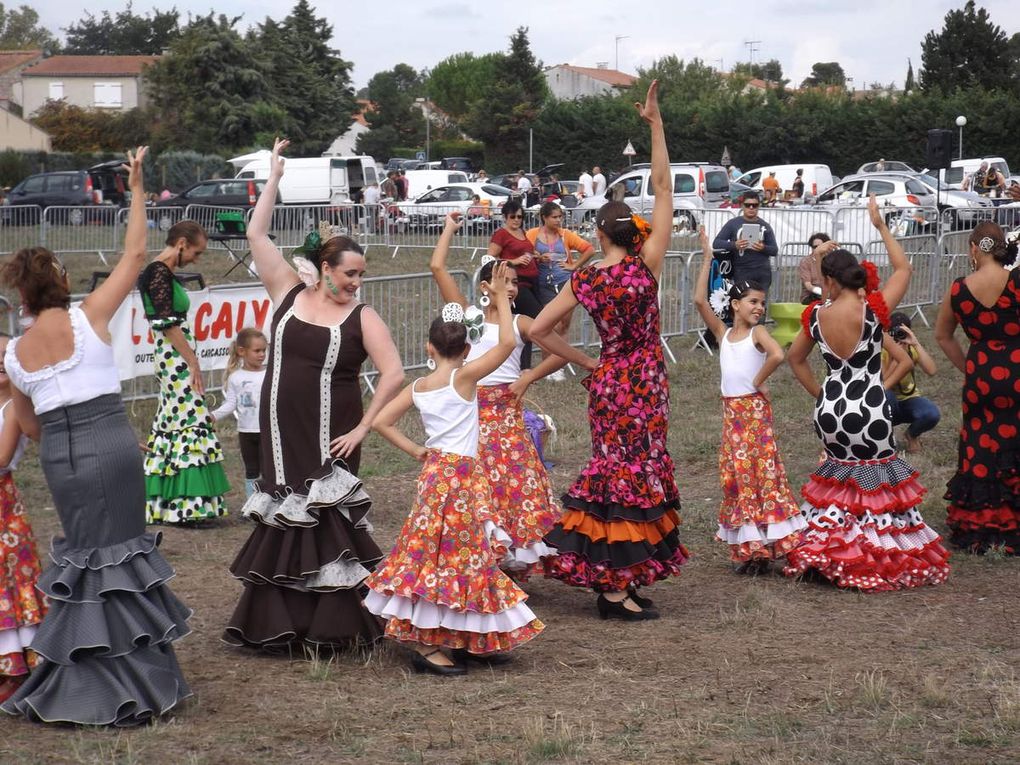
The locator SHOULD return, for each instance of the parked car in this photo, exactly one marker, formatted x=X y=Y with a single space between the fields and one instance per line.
x=100 y=185
x=815 y=177
x=961 y=169
x=885 y=166
x=973 y=208
x=463 y=164
x=221 y=192
x=430 y=209
x=329 y=180
x=395 y=163
x=421 y=181
x=896 y=190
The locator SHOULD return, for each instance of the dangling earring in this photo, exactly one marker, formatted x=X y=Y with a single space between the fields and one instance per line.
x=484 y=301
x=431 y=364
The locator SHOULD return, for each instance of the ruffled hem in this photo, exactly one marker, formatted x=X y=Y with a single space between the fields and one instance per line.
x=872 y=553
x=193 y=481
x=521 y=560
x=128 y=690
x=576 y=570
x=95 y=558
x=492 y=642
x=616 y=532
x=762 y=541
x=133 y=566
x=337 y=489
x=425 y=614
x=171 y=452
x=629 y=497
x=184 y=509
x=882 y=486
x=16 y=658
x=612 y=511
x=970 y=493
x=980 y=531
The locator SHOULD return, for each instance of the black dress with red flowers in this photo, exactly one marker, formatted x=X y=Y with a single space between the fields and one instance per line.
x=984 y=495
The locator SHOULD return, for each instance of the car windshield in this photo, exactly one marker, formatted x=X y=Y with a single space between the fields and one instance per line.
x=496 y=191
x=927 y=180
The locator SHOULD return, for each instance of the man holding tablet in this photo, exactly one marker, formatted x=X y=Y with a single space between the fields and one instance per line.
x=750 y=243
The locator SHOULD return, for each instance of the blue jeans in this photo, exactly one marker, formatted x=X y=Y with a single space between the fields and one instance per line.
x=551 y=277
x=919 y=412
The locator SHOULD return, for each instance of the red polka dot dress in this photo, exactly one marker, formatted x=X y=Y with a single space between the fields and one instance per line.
x=984 y=495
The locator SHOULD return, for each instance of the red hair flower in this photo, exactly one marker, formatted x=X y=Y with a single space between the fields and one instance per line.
x=872 y=280
x=644 y=228
x=805 y=316
x=878 y=307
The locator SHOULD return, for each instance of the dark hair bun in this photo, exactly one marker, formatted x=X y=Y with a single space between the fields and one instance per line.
x=853 y=277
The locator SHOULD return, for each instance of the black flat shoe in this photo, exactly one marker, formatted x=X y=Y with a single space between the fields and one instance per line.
x=492 y=659
x=641 y=601
x=610 y=610
x=422 y=664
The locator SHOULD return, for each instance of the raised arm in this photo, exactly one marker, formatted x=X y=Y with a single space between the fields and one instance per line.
x=654 y=250
x=945 y=333
x=275 y=272
x=714 y=323
x=489 y=362
x=447 y=284
x=103 y=303
x=895 y=286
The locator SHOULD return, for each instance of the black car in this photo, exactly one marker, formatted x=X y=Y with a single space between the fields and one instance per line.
x=100 y=186
x=457 y=163
x=220 y=192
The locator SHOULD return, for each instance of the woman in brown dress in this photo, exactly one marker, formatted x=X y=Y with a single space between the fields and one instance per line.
x=310 y=549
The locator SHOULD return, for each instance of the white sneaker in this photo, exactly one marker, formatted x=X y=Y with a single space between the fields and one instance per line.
x=558 y=376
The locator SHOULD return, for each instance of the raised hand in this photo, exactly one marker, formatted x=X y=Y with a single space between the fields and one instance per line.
x=500 y=281
x=649 y=110
x=276 y=161
x=706 y=246
x=134 y=168
x=454 y=220
x=874 y=212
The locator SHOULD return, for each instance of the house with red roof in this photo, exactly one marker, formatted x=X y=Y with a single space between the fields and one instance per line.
x=91 y=82
x=567 y=82
x=12 y=63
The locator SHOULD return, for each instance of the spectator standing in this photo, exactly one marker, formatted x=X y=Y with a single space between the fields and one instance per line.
x=750 y=259
x=797 y=190
x=908 y=406
x=402 y=185
x=371 y=199
x=598 y=181
x=587 y=183
x=809 y=270
x=483 y=177
x=771 y=188
x=389 y=188
x=523 y=184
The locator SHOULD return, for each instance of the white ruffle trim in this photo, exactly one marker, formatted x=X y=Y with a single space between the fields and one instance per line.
x=17 y=639
x=338 y=488
x=430 y=616
x=766 y=534
x=904 y=531
x=520 y=558
x=338 y=575
x=78 y=319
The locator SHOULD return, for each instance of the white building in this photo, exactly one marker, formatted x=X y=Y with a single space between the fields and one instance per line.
x=568 y=82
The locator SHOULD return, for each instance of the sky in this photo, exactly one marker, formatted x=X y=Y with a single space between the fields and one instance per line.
x=871 y=39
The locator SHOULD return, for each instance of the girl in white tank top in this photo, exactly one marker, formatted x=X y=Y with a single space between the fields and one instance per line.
x=759 y=519
x=441 y=586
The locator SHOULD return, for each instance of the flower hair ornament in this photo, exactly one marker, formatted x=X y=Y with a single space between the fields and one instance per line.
x=484 y=301
x=871 y=280
x=719 y=300
x=306 y=257
x=472 y=319
x=644 y=229
x=987 y=244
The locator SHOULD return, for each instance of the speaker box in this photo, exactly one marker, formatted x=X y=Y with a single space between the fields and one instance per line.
x=940 y=149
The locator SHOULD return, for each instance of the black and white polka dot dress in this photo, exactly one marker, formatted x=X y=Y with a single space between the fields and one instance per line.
x=864 y=528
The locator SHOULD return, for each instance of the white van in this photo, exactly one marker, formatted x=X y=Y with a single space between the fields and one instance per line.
x=420 y=181
x=316 y=180
x=952 y=178
x=817 y=178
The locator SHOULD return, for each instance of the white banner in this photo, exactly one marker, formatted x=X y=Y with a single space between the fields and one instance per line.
x=216 y=316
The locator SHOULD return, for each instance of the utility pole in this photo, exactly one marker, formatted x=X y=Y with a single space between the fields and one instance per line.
x=618 y=38
x=751 y=49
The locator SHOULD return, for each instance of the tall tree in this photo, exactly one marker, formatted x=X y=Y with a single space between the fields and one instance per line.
x=394 y=119
x=124 y=34
x=306 y=78
x=459 y=80
x=502 y=116
x=688 y=81
x=769 y=71
x=970 y=51
x=825 y=73
x=20 y=30
x=909 y=85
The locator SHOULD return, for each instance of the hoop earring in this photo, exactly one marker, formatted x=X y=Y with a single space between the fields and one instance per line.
x=484 y=301
x=430 y=363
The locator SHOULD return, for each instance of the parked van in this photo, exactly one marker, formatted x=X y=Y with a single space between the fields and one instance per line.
x=420 y=181
x=817 y=178
x=959 y=169
x=316 y=180
x=696 y=185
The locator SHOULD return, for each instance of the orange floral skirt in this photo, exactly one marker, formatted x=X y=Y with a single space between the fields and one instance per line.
x=441 y=584
x=759 y=516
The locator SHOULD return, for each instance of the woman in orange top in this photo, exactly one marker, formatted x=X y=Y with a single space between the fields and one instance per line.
x=554 y=247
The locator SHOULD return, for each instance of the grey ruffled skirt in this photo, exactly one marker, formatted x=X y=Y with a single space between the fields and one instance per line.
x=107 y=638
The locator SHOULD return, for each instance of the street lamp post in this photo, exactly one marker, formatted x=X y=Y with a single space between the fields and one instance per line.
x=960 y=122
x=428 y=131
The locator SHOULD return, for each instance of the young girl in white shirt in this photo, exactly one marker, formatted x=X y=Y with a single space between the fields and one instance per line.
x=441 y=585
x=759 y=517
x=242 y=389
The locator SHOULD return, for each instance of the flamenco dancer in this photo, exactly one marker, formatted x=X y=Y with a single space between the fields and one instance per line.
x=759 y=518
x=522 y=496
x=984 y=495
x=441 y=586
x=864 y=528
x=107 y=638
x=619 y=528
x=311 y=549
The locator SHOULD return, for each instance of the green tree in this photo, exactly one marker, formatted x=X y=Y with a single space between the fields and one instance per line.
x=72 y=128
x=20 y=30
x=459 y=80
x=124 y=34
x=688 y=81
x=970 y=51
x=209 y=93
x=769 y=71
x=394 y=119
x=307 y=80
x=825 y=73
x=909 y=85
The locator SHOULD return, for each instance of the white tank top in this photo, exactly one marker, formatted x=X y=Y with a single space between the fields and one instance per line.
x=8 y=411
x=451 y=423
x=739 y=363
x=89 y=372
x=510 y=370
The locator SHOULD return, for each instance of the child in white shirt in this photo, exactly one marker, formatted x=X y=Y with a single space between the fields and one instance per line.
x=242 y=389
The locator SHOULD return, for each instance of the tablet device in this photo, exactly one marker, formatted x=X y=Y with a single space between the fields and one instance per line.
x=751 y=232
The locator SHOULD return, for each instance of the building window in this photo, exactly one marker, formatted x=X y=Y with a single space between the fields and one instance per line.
x=56 y=91
x=107 y=95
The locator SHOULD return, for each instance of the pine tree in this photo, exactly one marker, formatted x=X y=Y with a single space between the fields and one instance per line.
x=909 y=83
x=970 y=51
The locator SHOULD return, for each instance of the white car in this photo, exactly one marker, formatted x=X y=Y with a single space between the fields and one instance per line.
x=972 y=208
x=892 y=190
x=431 y=208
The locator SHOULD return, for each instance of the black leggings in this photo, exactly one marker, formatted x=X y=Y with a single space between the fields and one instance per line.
x=527 y=304
x=251 y=454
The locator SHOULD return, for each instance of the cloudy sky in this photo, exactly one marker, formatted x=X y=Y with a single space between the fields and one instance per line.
x=872 y=39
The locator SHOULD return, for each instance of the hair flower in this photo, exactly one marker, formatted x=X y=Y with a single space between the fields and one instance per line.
x=473 y=319
x=805 y=316
x=872 y=280
x=719 y=300
x=644 y=228
x=877 y=304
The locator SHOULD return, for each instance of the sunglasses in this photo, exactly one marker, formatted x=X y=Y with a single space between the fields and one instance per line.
x=516 y=217
x=751 y=205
